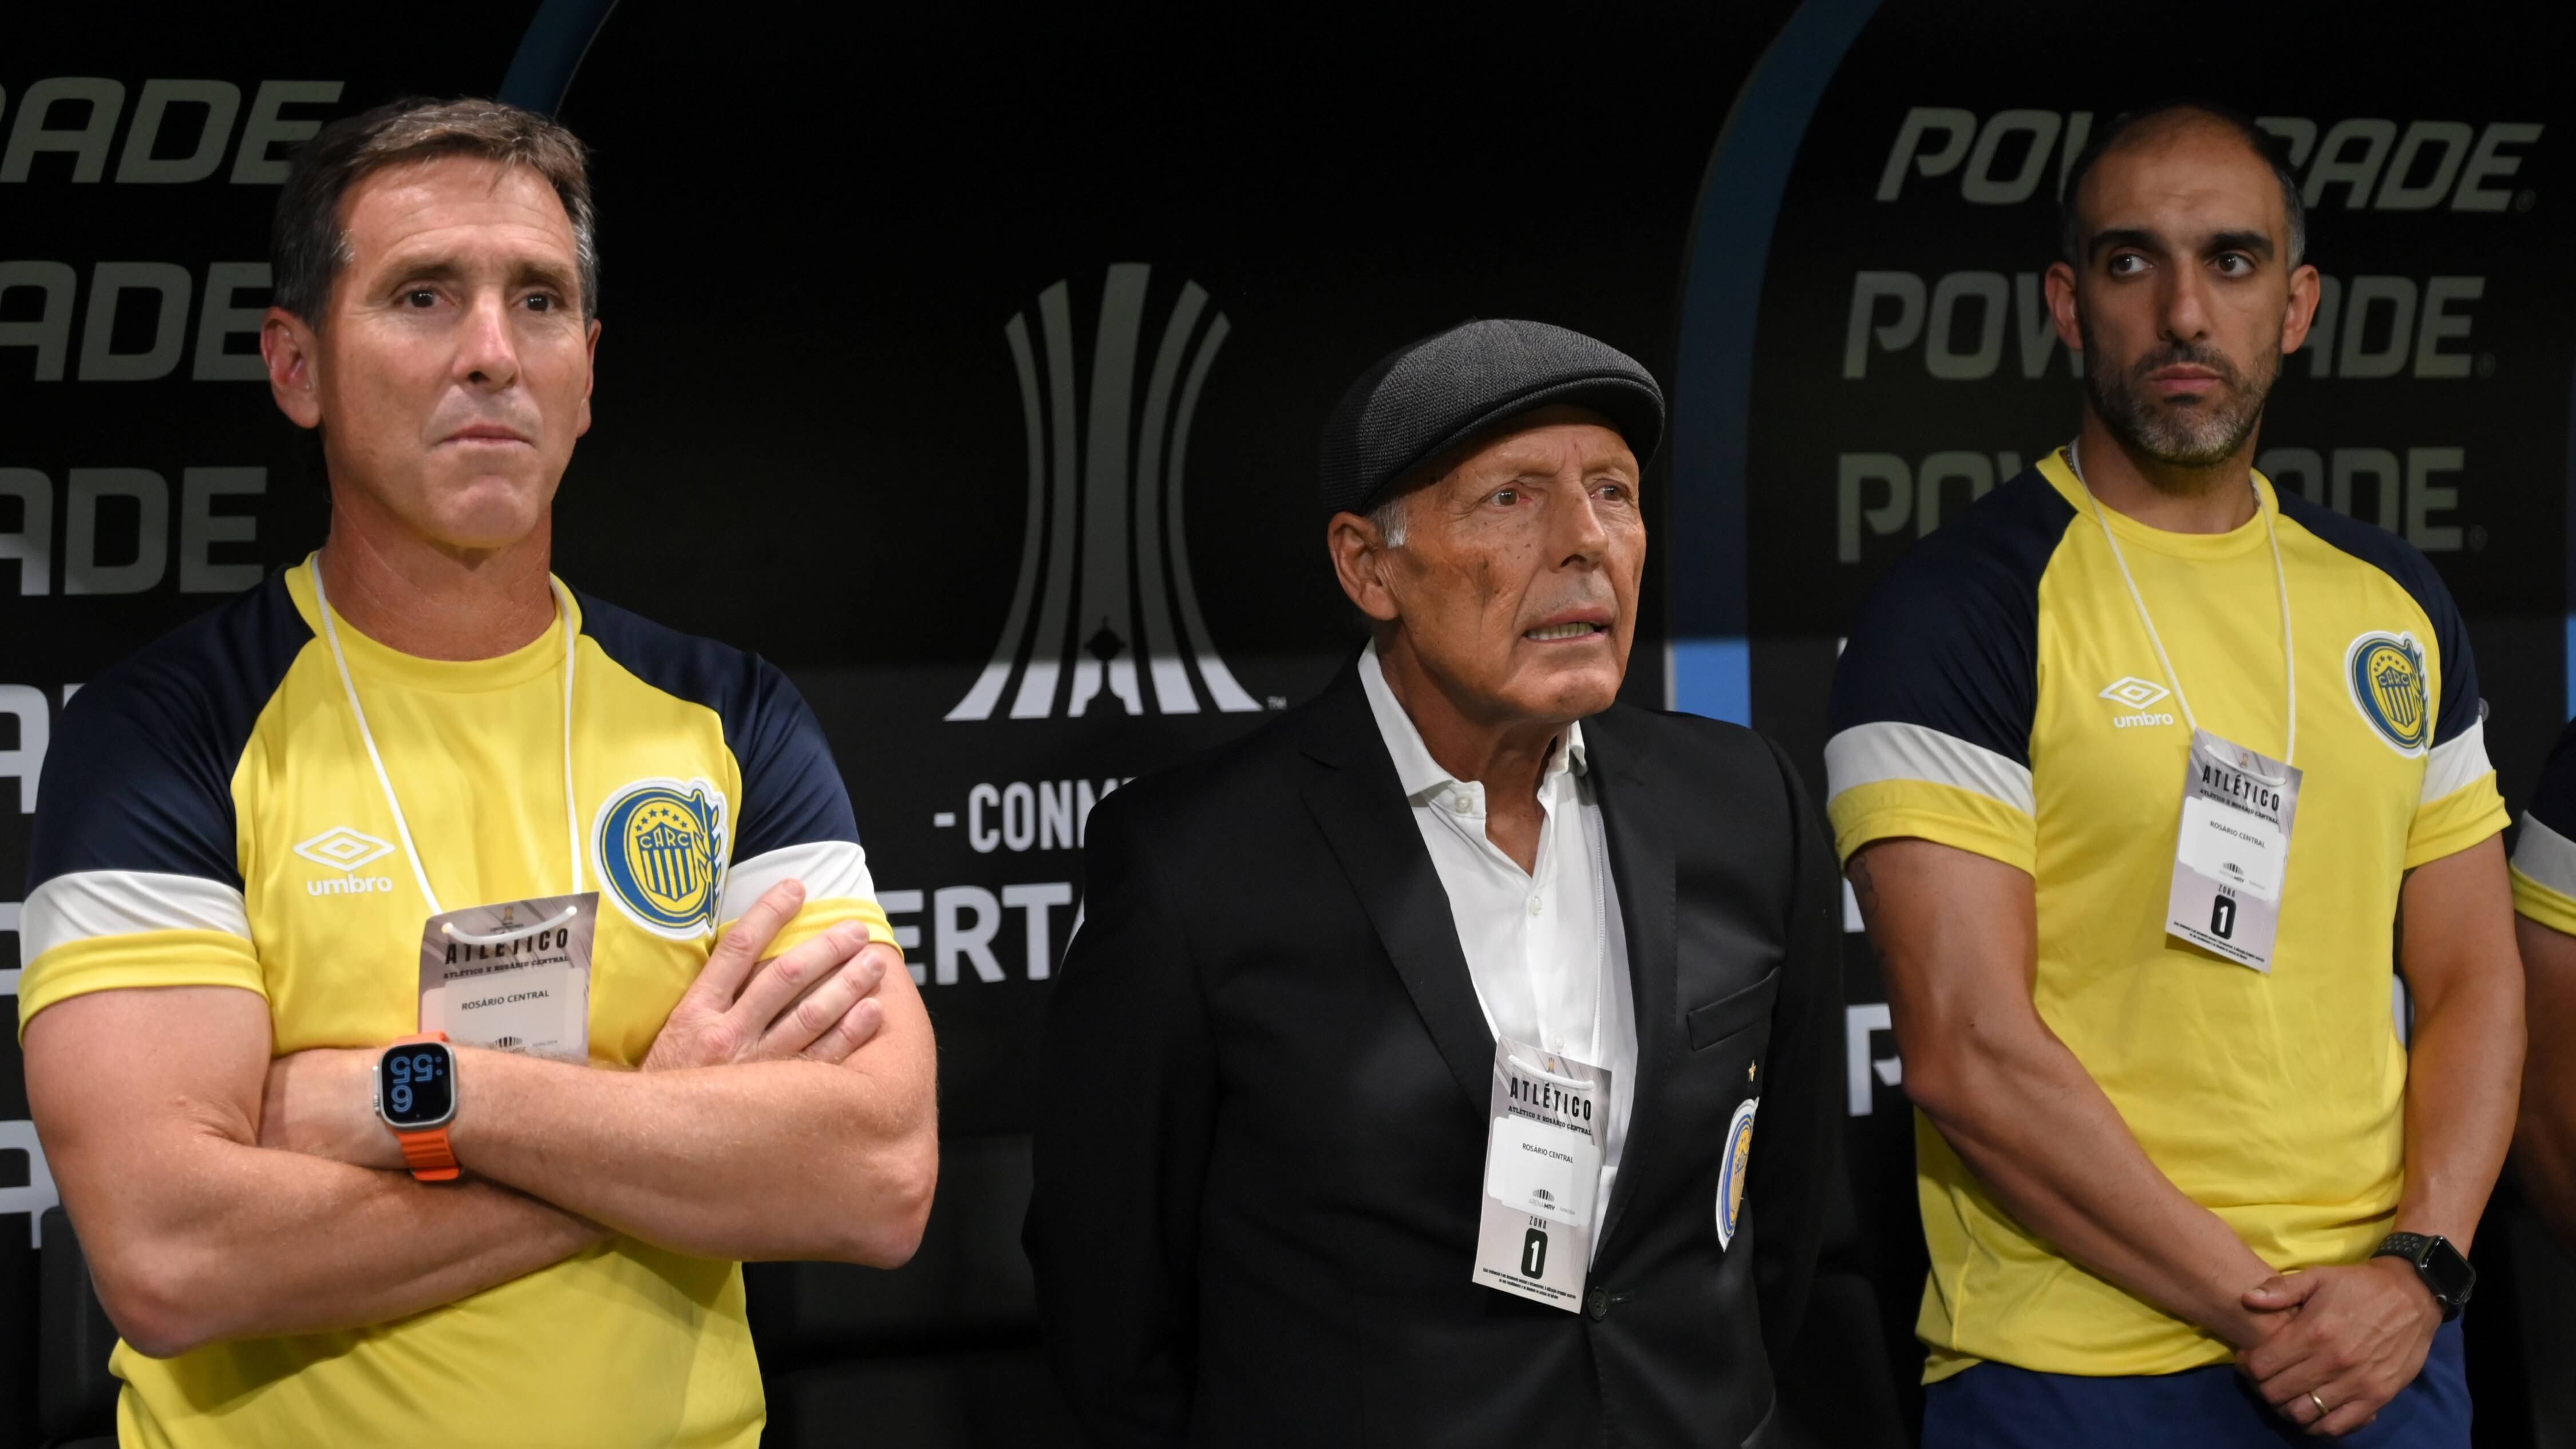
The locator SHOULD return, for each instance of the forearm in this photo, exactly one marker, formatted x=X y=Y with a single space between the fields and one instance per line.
x=2040 y=1133
x=2544 y=1134
x=2457 y=939
x=256 y=1242
x=2463 y=1077
x=790 y=1159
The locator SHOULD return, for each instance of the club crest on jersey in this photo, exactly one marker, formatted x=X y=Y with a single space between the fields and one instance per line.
x=659 y=845
x=2390 y=688
x=1736 y=1155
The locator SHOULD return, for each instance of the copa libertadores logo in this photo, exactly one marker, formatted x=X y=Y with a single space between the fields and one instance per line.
x=1104 y=527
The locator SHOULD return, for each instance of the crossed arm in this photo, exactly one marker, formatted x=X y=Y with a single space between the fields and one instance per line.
x=785 y=1111
x=1958 y=933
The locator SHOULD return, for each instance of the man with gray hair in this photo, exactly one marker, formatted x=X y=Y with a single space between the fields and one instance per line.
x=1402 y=1080
x=437 y=980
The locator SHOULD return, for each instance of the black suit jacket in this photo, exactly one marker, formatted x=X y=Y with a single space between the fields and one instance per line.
x=1260 y=1147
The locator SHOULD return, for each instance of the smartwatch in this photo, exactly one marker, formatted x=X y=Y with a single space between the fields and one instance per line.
x=416 y=1095
x=2446 y=1274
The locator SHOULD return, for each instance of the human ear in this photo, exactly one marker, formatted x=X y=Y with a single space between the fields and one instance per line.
x=1359 y=562
x=290 y=350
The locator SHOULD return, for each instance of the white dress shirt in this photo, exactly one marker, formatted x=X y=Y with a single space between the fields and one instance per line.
x=1545 y=948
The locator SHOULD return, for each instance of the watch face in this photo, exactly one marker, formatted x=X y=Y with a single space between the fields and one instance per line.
x=2447 y=1273
x=416 y=1085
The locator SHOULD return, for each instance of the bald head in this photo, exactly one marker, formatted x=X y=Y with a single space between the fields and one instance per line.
x=2186 y=125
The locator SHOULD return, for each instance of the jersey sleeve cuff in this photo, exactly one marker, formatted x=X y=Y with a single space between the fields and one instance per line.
x=1943 y=814
x=153 y=958
x=2542 y=904
x=2456 y=821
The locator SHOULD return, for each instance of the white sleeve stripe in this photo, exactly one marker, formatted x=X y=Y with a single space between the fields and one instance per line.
x=2456 y=763
x=1870 y=753
x=830 y=869
x=88 y=904
x=2546 y=856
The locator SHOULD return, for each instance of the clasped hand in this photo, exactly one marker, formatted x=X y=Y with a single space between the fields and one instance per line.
x=2353 y=1337
x=816 y=1002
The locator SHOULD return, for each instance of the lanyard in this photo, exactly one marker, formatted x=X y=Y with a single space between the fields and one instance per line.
x=402 y=827
x=2280 y=576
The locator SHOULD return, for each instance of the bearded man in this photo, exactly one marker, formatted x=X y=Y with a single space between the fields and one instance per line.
x=2147 y=777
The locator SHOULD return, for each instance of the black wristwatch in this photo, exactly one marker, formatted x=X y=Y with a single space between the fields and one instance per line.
x=2446 y=1274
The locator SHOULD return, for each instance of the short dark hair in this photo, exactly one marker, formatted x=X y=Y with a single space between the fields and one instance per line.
x=308 y=241
x=2274 y=151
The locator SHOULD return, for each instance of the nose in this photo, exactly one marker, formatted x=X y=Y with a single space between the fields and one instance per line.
x=1582 y=538
x=487 y=355
x=2186 y=305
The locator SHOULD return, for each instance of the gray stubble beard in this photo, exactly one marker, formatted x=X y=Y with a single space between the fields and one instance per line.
x=2189 y=435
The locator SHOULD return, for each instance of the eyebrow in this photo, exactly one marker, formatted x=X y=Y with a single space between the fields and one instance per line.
x=2256 y=242
x=2259 y=243
x=2126 y=236
x=543 y=271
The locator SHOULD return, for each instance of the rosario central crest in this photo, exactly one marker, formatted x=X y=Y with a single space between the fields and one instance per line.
x=1104 y=556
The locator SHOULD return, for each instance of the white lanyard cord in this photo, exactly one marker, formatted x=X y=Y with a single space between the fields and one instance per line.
x=402 y=826
x=2280 y=576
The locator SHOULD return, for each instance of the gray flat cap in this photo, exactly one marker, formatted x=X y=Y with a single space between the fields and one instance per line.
x=1430 y=395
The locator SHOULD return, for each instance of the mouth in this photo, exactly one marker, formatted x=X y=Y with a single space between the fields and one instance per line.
x=488 y=434
x=1571 y=629
x=2184 y=379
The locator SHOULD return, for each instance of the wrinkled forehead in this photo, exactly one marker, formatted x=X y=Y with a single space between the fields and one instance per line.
x=1544 y=443
x=454 y=209
x=2182 y=178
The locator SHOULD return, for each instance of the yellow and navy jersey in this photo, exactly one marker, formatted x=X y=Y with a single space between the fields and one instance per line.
x=2544 y=858
x=2000 y=695
x=208 y=816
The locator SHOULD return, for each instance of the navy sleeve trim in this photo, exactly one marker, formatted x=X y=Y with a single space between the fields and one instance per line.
x=2457 y=712
x=1949 y=640
x=791 y=790
x=2553 y=801
x=139 y=775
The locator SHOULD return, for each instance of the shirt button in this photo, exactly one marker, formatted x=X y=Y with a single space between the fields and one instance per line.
x=1460 y=803
x=1597 y=1303
x=1534 y=906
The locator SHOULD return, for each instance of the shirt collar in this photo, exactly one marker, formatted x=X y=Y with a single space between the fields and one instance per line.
x=1420 y=774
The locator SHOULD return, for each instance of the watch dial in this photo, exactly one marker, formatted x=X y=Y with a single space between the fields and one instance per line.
x=416 y=1084
x=2448 y=1273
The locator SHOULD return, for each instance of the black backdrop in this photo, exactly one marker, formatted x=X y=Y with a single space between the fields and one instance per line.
x=827 y=243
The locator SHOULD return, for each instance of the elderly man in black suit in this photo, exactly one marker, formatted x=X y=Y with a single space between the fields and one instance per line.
x=1463 y=880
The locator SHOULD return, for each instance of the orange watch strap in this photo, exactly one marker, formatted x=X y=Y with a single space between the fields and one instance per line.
x=427 y=1151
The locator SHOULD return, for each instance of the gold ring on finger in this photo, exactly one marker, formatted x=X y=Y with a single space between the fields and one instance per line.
x=2322 y=1410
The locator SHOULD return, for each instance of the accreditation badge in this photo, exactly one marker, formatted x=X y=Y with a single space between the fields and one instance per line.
x=1542 y=1172
x=514 y=976
x=2233 y=853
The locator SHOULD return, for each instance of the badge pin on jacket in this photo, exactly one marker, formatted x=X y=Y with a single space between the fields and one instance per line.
x=1730 y=1168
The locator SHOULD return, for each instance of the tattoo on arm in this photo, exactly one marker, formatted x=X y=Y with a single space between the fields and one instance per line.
x=1862 y=886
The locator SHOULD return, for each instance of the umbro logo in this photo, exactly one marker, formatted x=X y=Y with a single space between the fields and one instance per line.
x=341 y=848
x=2134 y=692
x=344 y=849
x=2137 y=694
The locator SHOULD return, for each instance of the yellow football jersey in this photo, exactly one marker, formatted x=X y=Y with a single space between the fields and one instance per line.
x=2001 y=695
x=209 y=816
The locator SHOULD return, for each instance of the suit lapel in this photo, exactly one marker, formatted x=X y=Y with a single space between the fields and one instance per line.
x=1642 y=872
x=1360 y=806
